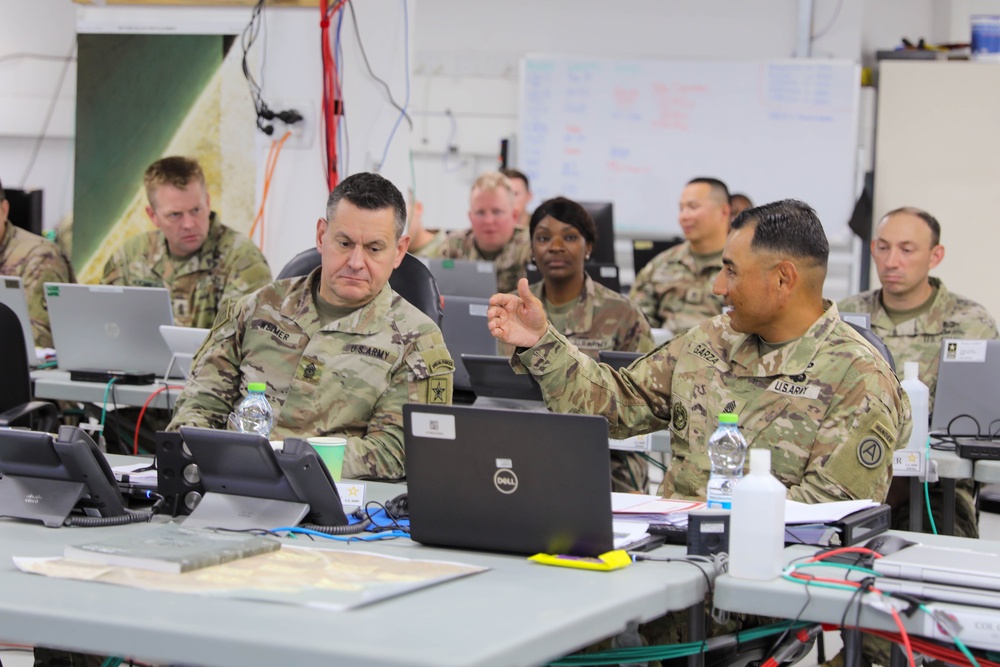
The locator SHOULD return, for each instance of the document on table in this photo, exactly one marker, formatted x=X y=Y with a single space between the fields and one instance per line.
x=652 y=509
x=796 y=512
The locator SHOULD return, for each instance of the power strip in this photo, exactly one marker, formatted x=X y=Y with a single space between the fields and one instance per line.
x=977 y=450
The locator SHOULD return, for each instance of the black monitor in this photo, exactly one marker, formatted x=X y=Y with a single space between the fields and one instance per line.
x=643 y=250
x=26 y=209
x=604 y=218
x=46 y=479
x=250 y=485
x=492 y=377
x=617 y=359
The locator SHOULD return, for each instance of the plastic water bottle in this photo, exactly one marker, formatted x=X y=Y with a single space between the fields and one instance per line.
x=254 y=414
x=919 y=396
x=727 y=450
x=757 y=522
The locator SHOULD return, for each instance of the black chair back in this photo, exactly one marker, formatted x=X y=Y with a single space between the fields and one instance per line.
x=16 y=386
x=412 y=280
x=877 y=342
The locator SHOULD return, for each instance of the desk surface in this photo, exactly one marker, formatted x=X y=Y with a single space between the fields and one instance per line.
x=56 y=385
x=517 y=613
x=785 y=599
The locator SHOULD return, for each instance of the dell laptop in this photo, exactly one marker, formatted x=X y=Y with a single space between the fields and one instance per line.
x=12 y=296
x=108 y=327
x=514 y=482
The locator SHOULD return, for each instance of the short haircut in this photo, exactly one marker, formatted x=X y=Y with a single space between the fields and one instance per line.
x=788 y=227
x=923 y=215
x=739 y=195
x=567 y=212
x=372 y=193
x=176 y=171
x=520 y=175
x=493 y=180
x=718 y=189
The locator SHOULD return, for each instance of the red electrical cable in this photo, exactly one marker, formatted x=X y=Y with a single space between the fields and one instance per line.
x=138 y=422
x=331 y=90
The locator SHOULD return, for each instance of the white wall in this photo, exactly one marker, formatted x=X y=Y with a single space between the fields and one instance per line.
x=464 y=61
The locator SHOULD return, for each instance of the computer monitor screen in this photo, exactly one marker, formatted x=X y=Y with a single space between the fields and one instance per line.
x=604 y=218
x=45 y=478
x=246 y=465
x=644 y=250
x=493 y=377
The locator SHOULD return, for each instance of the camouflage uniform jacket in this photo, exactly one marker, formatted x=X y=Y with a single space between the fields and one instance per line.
x=919 y=339
x=227 y=266
x=37 y=261
x=602 y=320
x=350 y=378
x=460 y=244
x=673 y=293
x=826 y=404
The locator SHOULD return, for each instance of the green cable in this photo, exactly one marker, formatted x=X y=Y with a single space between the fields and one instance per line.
x=668 y=651
x=650 y=459
x=954 y=638
x=111 y=661
x=927 y=492
x=104 y=408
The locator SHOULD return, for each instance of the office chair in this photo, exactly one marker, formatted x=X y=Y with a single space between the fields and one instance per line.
x=411 y=280
x=16 y=406
x=877 y=343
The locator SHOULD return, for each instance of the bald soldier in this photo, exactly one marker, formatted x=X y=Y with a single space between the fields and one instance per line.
x=199 y=260
x=340 y=351
x=674 y=289
x=803 y=383
x=912 y=313
x=36 y=261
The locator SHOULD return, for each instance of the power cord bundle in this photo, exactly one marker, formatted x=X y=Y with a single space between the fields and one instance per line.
x=264 y=112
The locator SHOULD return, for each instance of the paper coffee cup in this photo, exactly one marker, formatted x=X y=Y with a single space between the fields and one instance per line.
x=331 y=450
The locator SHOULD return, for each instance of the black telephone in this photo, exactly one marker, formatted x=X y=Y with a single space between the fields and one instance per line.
x=245 y=465
x=46 y=478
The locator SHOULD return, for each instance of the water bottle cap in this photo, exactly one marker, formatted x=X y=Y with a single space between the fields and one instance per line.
x=257 y=386
x=728 y=418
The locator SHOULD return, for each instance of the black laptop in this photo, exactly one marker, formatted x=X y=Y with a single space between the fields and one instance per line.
x=508 y=481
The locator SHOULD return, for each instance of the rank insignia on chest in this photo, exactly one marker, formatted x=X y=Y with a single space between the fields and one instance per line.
x=309 y=372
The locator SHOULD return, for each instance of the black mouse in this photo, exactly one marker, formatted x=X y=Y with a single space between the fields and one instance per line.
x=886 y=544
x=398 y=507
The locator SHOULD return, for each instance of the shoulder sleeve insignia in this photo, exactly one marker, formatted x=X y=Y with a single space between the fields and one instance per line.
x=871 y=451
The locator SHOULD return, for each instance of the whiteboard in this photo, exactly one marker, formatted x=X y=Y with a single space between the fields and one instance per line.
x=634 y=132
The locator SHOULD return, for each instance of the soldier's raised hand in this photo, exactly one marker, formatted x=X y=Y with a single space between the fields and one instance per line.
x=517 y=319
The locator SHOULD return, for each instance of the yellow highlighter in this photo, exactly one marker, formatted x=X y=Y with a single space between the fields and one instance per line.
x=612 y=560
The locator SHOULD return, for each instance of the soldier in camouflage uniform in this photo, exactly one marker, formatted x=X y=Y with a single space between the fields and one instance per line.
x=590 y=315
x=201 y=261
x=912 y=313
x=339 y=350
x=36 y=261
x=493 y=236
x=802 y=381
x=675 y=289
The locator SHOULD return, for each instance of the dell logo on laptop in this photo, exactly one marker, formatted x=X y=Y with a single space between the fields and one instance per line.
x=505 y=481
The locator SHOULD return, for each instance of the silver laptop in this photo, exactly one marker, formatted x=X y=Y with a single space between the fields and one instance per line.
x=940 y=592
x=183 y=342
x=943 y=565
x=12 y=296
x=105 y=327
x=518 y=482
x=466 y=332
x=968 y=385
x=463 y=277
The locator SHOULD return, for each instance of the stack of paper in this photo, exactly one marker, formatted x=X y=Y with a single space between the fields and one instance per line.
x=652 y=509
